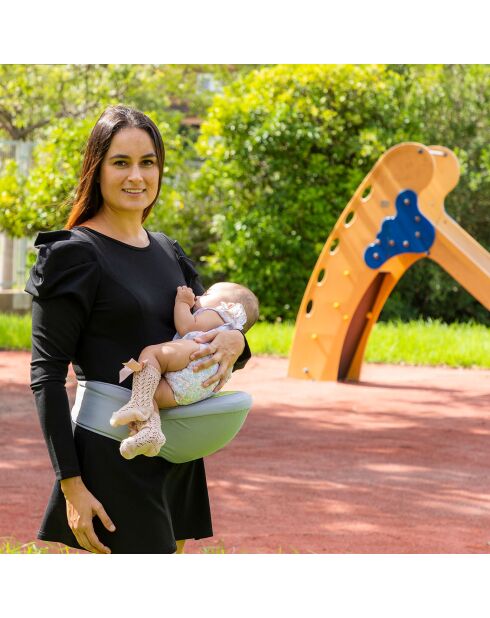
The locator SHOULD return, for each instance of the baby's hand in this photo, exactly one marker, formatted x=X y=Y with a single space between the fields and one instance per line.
x=186 y=295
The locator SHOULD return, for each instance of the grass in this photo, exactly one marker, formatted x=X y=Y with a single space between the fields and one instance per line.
x=418 y=342
x=265 y=338
x=415 y=343
x=214 y=549
x=15 y=331
x=430 y=343
x=11 y=546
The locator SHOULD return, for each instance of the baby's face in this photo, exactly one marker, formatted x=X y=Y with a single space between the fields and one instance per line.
x=217 y=293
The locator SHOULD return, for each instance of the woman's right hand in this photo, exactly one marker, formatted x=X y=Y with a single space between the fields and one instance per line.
x=81 y=507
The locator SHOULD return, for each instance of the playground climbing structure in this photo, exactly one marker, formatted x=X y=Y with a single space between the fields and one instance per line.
x=395 y=218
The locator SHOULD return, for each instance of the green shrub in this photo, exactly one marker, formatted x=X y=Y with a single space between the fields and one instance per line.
x=449 y=105
x=286 y=146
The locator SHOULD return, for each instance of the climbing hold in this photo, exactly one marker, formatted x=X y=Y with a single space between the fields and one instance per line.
x=394 y=231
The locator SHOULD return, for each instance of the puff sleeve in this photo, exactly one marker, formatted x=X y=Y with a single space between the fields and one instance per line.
x=193 y=280
x=63 y=283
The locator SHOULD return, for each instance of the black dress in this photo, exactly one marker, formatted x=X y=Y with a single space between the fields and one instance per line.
x=96 y=303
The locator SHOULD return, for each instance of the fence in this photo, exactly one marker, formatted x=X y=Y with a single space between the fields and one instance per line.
x=13 y=251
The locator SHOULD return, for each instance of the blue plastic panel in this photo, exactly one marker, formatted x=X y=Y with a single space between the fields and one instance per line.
x=407 y=232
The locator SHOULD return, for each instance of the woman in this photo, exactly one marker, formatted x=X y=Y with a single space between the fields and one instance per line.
x=103 y=289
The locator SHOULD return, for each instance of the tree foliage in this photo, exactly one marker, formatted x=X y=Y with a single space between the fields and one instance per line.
x=33 y=97
x=282 y=150
x=286 y=146
x=449 y=105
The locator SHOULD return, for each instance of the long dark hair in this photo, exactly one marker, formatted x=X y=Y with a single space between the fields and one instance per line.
x=88 y=197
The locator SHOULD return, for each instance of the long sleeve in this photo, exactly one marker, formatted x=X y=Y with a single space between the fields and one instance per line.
x=63 y=283
x=193 y=280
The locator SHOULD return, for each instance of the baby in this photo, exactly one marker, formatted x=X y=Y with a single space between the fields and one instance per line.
x=163 y=374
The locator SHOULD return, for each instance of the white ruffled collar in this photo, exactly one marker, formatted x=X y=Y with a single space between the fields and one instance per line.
x=232 y=313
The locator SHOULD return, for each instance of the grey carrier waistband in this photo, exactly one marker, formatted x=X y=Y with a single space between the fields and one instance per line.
x=192 y=431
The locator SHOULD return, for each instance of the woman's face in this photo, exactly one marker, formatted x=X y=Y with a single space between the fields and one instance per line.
x=129 y=172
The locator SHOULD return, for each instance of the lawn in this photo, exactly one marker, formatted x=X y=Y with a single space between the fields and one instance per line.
x=414 y=343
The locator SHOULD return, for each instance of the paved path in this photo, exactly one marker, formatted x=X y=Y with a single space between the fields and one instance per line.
x=398 y=463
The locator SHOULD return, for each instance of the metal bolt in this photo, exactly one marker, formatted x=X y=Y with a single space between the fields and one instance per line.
x=406 y=201
x=377 y=241
x=346 y=273
x=345 y=316
x=417 y=234
x=417 y=218
x=369 y=315
x=336 y=305
x=391 y=243
x=376 y=256
x=306 y=370
x=314 y=336
x=406 y=243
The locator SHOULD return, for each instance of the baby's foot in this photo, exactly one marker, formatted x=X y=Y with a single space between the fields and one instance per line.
x=148 y=440
x=130 y=412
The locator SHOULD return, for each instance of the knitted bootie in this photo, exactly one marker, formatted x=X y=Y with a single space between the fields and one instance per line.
x=148 y=440
x=140 y=406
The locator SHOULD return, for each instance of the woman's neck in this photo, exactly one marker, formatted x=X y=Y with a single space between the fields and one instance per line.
x=126 y=229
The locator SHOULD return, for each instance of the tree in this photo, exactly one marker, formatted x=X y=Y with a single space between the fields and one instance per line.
x=448 y=105
x=35 y=96
x=286 y=146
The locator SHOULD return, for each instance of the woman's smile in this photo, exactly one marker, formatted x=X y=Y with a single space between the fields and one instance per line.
x=134 y=191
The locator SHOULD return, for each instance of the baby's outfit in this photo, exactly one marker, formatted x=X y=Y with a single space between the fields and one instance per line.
x=187 y=385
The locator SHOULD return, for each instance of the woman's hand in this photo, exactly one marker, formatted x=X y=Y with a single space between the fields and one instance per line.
x=81 y=507
x=225 y=347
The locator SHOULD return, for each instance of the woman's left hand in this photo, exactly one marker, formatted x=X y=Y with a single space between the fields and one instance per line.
x=225 y=347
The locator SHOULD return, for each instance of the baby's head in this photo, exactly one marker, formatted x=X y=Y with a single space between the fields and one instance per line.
x=228 y=292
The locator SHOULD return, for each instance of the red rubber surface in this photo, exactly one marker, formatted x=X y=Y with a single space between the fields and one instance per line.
x=398 y=463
